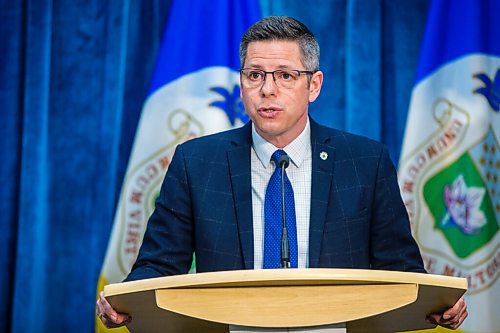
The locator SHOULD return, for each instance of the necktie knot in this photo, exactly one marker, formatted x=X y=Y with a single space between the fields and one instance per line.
x=275 y=157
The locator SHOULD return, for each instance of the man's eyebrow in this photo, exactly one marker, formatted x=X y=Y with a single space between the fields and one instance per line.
x=260 y=67
x=254 y=66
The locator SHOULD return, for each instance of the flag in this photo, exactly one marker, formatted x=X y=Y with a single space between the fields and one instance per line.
x=194 y=91
x=449 y=170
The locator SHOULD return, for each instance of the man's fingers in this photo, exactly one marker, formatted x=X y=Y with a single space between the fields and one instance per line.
x=452 y=322
x=439 y=320
x=451 y=318
x=455 y=310
x=108 y=310
x=100 y=308
x=109 y=317
x=457 y=314
x=434 y=318
x=462 y=317
x=123 y=320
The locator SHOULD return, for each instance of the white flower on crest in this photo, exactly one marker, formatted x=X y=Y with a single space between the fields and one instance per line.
x=463 y=205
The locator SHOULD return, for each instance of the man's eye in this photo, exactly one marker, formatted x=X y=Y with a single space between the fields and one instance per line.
x=255 y=75
x=286 y=76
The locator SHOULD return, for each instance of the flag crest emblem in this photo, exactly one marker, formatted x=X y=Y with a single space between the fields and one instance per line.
x=463 y=196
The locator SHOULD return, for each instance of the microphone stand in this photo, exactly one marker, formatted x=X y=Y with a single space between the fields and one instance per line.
x=285 y=244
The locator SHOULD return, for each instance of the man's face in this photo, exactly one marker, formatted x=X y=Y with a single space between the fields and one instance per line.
x=279 y=114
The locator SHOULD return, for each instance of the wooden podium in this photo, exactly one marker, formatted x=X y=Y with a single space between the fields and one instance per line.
x=365 y=300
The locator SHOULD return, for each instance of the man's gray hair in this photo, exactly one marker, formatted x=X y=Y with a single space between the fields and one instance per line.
x=284 y=28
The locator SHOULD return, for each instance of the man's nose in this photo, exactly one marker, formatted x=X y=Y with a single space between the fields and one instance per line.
x=269 y=86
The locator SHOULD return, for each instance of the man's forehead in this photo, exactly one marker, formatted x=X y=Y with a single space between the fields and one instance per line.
x=284 y=53
x=274 y=44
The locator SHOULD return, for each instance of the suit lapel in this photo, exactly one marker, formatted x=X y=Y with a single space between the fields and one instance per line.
x=241 y=182
x=323 y=157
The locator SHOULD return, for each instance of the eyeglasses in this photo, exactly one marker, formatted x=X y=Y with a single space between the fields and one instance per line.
x=284 y=78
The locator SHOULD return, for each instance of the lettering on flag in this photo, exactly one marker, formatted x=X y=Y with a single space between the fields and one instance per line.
x=452 y=124
x=170 y=118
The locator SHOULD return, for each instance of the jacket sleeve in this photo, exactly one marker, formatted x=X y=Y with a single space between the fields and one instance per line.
x=167 y=247
x=392 y=246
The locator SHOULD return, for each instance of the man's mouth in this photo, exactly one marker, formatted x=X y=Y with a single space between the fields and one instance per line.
x=269 y=111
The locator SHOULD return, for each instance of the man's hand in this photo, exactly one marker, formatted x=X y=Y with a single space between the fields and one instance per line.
x=109 y=317
x=451 y=318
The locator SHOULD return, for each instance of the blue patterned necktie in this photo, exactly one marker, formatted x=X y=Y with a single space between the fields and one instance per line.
x=273 y=218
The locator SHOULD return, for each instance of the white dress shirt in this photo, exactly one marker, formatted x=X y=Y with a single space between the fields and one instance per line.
x=299 y=172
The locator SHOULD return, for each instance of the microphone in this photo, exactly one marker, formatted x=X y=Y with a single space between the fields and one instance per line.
x=284 y=162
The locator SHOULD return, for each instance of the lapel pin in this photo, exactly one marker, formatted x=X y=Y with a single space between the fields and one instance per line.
x=323 y=155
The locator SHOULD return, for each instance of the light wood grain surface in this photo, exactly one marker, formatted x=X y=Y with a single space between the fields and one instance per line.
x=380 y=301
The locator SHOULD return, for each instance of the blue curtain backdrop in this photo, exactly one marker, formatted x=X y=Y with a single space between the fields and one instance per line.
x=73 y=77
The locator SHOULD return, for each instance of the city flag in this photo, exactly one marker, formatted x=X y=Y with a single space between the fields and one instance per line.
x=449 y=170
x=194 y=91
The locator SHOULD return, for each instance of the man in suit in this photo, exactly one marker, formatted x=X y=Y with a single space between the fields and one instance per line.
x=344 y=210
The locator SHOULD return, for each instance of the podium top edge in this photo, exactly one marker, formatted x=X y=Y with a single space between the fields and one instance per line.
x=275 y=277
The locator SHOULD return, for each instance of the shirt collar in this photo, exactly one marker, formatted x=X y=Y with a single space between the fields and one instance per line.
x=297 y=149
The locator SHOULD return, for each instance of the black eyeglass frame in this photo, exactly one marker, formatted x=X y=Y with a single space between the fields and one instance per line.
x=298 y=71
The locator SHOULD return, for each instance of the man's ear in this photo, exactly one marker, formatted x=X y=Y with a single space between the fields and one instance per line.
x=315 y=86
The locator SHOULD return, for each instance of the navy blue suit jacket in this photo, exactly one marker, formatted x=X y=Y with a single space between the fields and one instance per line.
x=357 y=218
